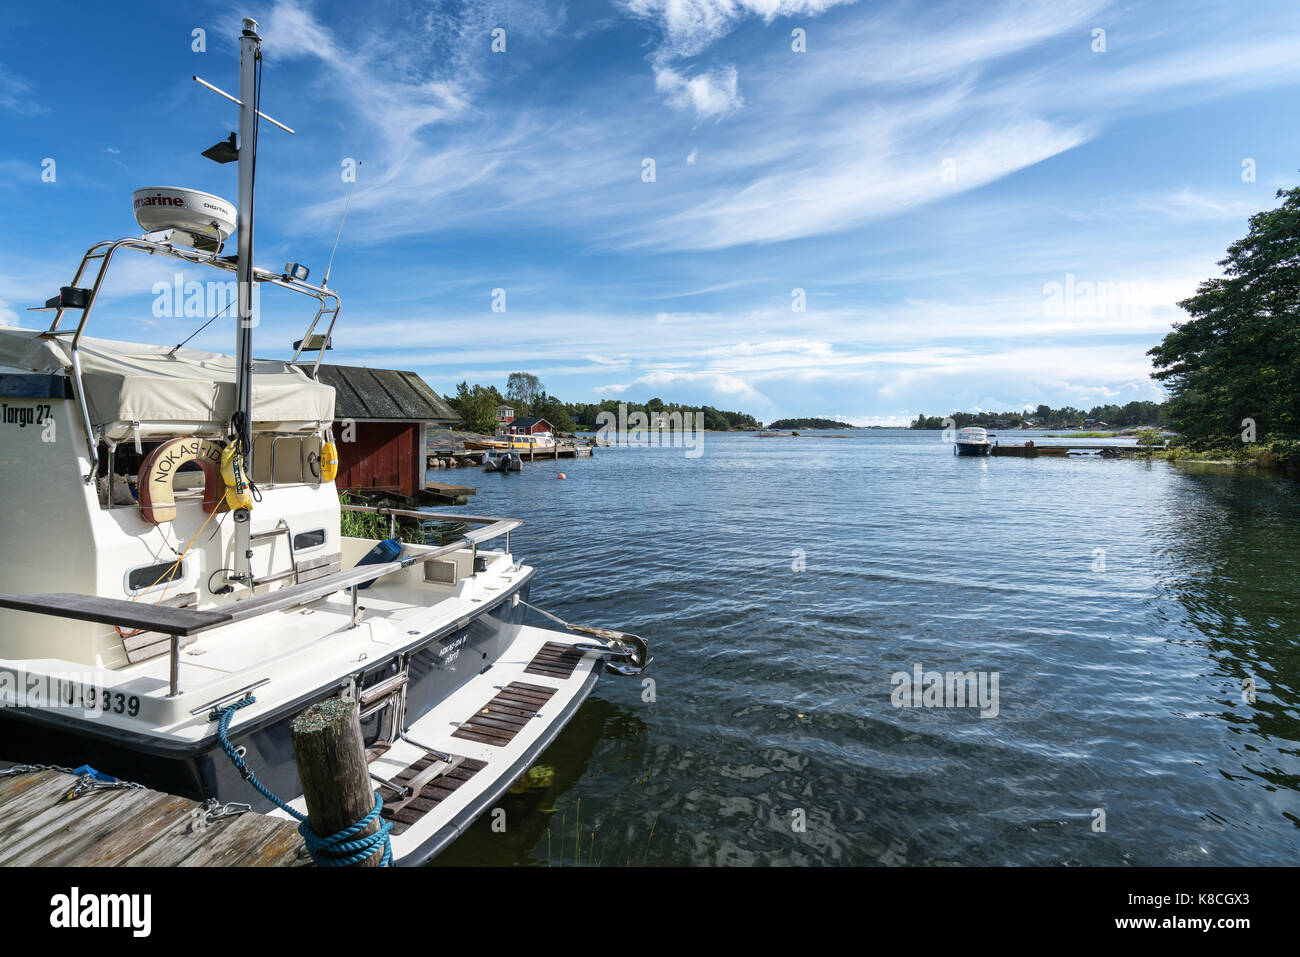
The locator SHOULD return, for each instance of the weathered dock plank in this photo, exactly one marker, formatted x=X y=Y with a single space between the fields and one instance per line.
x=41 y=826
x=113 y=846
x=68 y=829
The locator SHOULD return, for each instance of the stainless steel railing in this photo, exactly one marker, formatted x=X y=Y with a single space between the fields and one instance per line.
x=103 y=252
x=183 y=622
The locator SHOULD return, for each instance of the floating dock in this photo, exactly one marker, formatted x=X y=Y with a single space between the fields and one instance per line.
x=51 y=818
x=455 y=494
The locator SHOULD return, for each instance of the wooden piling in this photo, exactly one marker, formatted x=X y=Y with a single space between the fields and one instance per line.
x=331 y=758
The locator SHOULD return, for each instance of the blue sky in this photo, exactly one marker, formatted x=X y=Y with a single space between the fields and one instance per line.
x=982 y=209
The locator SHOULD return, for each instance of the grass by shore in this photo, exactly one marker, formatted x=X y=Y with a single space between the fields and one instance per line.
x=1275 y=456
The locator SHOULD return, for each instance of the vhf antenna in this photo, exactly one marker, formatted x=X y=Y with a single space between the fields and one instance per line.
x=326 y=283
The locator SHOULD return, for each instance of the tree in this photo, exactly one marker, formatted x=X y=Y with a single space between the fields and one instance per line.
x=1238 y=357
x=555 y=412
x=523 y=389
x=477 y=406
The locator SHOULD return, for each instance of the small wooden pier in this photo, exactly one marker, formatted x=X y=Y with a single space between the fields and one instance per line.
x=1060 y=451
x=452 y=494
x=561 y=450
x=46 y=820
x=447 y=458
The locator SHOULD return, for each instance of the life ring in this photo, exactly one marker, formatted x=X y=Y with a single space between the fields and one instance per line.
x=158 y=476
x=329 y=462
x=238 y=493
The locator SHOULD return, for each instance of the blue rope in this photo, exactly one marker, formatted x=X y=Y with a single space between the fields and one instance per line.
x=336 y=850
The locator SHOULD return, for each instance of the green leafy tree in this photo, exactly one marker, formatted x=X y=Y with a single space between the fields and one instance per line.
x=477 y=406
x=1238 y=357
x=524 y=390
x=555 y=412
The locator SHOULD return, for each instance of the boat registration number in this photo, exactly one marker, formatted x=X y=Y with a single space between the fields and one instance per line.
x=59 y=692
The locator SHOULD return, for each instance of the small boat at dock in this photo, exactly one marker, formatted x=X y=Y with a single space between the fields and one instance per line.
x=972 y=441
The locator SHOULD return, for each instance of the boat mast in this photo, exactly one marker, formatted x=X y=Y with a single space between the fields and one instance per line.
x=250 y=52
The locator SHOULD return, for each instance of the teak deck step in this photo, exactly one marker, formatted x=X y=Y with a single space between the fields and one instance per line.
x=554 y=660
x=498 y=721
x=434 y=780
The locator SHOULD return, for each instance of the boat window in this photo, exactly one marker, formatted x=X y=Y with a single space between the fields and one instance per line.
x=146 y=577
x=308 y=540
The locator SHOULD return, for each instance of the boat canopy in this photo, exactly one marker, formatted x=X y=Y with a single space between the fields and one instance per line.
x=128 y=383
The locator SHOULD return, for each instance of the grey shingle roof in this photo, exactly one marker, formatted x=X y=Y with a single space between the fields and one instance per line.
x=361 y=393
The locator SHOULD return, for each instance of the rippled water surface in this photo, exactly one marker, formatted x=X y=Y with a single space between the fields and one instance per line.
x=1124 y=733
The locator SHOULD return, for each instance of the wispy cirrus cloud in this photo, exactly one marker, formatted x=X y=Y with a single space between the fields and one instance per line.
x=691 y=26
x=17 y=95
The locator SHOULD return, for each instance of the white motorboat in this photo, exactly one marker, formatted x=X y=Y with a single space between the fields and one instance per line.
x=173 y=550
x=972 y=441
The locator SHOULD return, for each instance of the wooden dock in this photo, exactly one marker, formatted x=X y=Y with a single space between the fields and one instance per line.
x=561 y=450
x=42 y=825
x=456 y=494
x=1060 y=451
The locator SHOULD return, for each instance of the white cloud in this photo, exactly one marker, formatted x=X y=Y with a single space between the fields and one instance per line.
x=855 y=174
x=691 y=26
x=720 y=385
x=710 y=94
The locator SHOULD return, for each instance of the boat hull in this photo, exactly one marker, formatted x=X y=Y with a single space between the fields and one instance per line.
x=436 y=668
x=973 y=448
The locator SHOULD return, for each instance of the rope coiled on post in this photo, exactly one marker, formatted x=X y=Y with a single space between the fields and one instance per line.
x=335 y=850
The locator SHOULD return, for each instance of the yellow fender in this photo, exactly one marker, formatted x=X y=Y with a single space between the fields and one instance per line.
x=329 y=462
x=238 y=494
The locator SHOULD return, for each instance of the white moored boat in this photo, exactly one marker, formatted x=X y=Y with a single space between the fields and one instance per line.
x=972 y=441
x=173 y=549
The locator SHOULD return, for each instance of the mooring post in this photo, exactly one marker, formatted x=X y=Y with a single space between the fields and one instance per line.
x=331 y=757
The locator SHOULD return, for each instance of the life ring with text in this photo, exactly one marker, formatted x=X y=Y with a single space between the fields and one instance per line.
x=157 y=478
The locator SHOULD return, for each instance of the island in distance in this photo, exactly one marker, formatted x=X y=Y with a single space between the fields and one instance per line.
x=811 y=424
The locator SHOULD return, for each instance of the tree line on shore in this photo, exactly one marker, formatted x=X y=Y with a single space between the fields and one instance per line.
x=525 y=394
x=1129 y=415
x=812 y=423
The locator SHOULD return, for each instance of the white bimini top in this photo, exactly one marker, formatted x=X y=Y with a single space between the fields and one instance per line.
x=128 y=383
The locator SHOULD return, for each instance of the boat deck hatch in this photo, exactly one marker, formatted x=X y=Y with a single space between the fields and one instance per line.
x=498 y=721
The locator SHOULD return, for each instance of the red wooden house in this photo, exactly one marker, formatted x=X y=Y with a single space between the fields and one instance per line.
x=380 y=419
x=529 y=425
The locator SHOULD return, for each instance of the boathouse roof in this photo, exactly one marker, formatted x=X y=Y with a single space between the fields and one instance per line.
x=384 y=394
